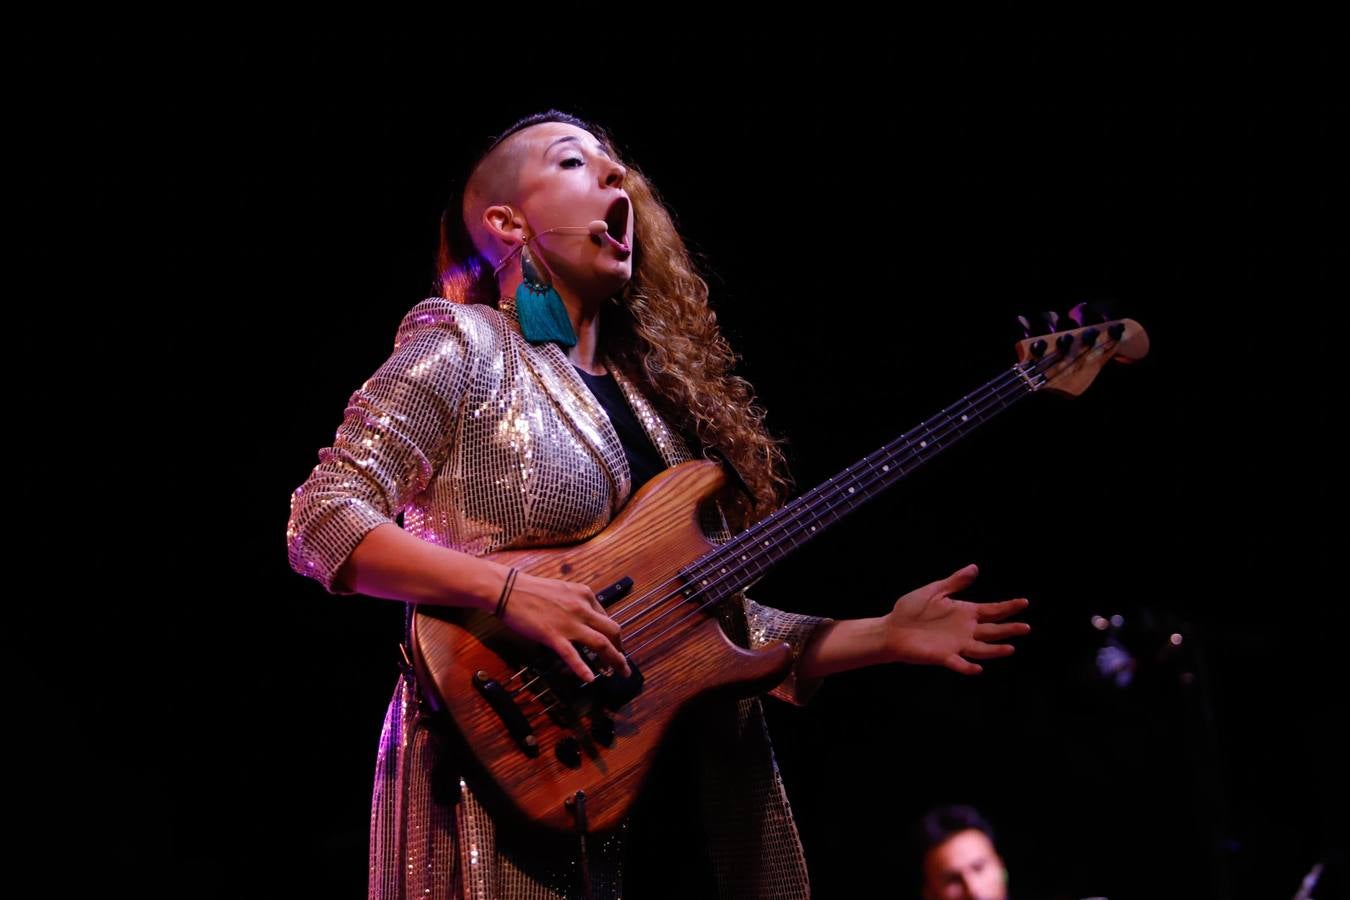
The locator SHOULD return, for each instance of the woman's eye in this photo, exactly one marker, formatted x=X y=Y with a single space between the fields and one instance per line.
x=573 y=159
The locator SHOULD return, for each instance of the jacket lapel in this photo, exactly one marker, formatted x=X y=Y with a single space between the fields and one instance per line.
x=668 y=443
x=577 y=406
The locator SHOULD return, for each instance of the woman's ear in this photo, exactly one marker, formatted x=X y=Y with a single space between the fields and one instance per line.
x=504 y=224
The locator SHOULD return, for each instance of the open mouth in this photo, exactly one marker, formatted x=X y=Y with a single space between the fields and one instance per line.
x=616 y=218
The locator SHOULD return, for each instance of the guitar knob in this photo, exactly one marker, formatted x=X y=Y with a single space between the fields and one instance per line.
x=1090 y=336
x=568 y=752
x=602 y=729
x=1064 y=342
x=1116 y=331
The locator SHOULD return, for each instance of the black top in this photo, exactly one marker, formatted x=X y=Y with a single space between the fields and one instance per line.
x=666 y=853
x=643 y=459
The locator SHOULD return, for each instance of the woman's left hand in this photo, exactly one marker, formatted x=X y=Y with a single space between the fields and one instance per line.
x=928 y=626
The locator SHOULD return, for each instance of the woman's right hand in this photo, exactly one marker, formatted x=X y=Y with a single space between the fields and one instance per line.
x=390 y=562
x=557 y=614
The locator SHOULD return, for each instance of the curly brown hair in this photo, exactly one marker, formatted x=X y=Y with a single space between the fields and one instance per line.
x=660 y=330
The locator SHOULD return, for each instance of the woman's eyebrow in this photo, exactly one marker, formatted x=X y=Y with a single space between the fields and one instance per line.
x=570 y=137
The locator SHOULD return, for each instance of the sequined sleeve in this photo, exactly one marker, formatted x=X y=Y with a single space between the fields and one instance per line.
x=766 y=625
x=394 y=434
x=770 y=626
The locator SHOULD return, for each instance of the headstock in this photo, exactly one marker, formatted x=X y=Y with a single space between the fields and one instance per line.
x=1067 y=362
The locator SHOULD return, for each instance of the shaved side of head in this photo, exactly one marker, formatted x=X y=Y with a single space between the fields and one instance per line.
x=494 y=180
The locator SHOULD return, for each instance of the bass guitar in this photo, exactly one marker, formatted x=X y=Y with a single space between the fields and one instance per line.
x=545 y=740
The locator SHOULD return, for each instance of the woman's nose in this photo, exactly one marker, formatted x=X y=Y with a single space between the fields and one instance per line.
x=615 y=175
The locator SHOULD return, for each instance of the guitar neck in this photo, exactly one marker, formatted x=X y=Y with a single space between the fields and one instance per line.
x=743 y=560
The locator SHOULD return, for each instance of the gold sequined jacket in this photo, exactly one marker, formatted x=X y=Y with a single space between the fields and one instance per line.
x=483 y=441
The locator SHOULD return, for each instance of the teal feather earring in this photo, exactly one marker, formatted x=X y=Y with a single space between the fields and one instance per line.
x=539 y=307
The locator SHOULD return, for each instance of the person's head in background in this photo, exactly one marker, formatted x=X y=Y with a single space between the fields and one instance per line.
x=958 y=857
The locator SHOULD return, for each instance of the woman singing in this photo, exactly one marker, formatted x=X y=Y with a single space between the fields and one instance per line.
x=571 y=356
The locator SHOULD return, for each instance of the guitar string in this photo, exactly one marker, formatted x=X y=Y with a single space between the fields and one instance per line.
x=995 y=391
x=770 y=529
x=869 y=474
x=869 y=478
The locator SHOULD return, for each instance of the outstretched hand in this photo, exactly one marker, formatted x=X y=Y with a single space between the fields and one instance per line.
x=928 y=626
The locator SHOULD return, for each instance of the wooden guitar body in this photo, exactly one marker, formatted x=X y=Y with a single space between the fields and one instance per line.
x=542 y=739
x=575 y=741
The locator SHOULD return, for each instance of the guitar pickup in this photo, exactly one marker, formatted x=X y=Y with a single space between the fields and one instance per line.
x=610 y=691
x=615 y=591
x=613 y=691
x=514 y=720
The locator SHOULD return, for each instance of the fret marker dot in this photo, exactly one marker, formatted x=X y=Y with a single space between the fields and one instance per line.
x=885 y=468
x=850 y=490
x=964 y=419
x=923 y=443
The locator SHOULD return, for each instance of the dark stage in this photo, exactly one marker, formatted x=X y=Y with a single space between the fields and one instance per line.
x=241 y=220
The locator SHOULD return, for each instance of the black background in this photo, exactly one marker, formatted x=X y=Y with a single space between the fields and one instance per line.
x=228 y=223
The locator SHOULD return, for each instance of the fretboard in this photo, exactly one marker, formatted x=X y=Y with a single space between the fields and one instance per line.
x=743 y=560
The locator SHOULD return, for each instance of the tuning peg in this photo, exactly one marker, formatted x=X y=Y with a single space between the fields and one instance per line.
x=1026 y=325
x=1051 y=320
x=1095 y=313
